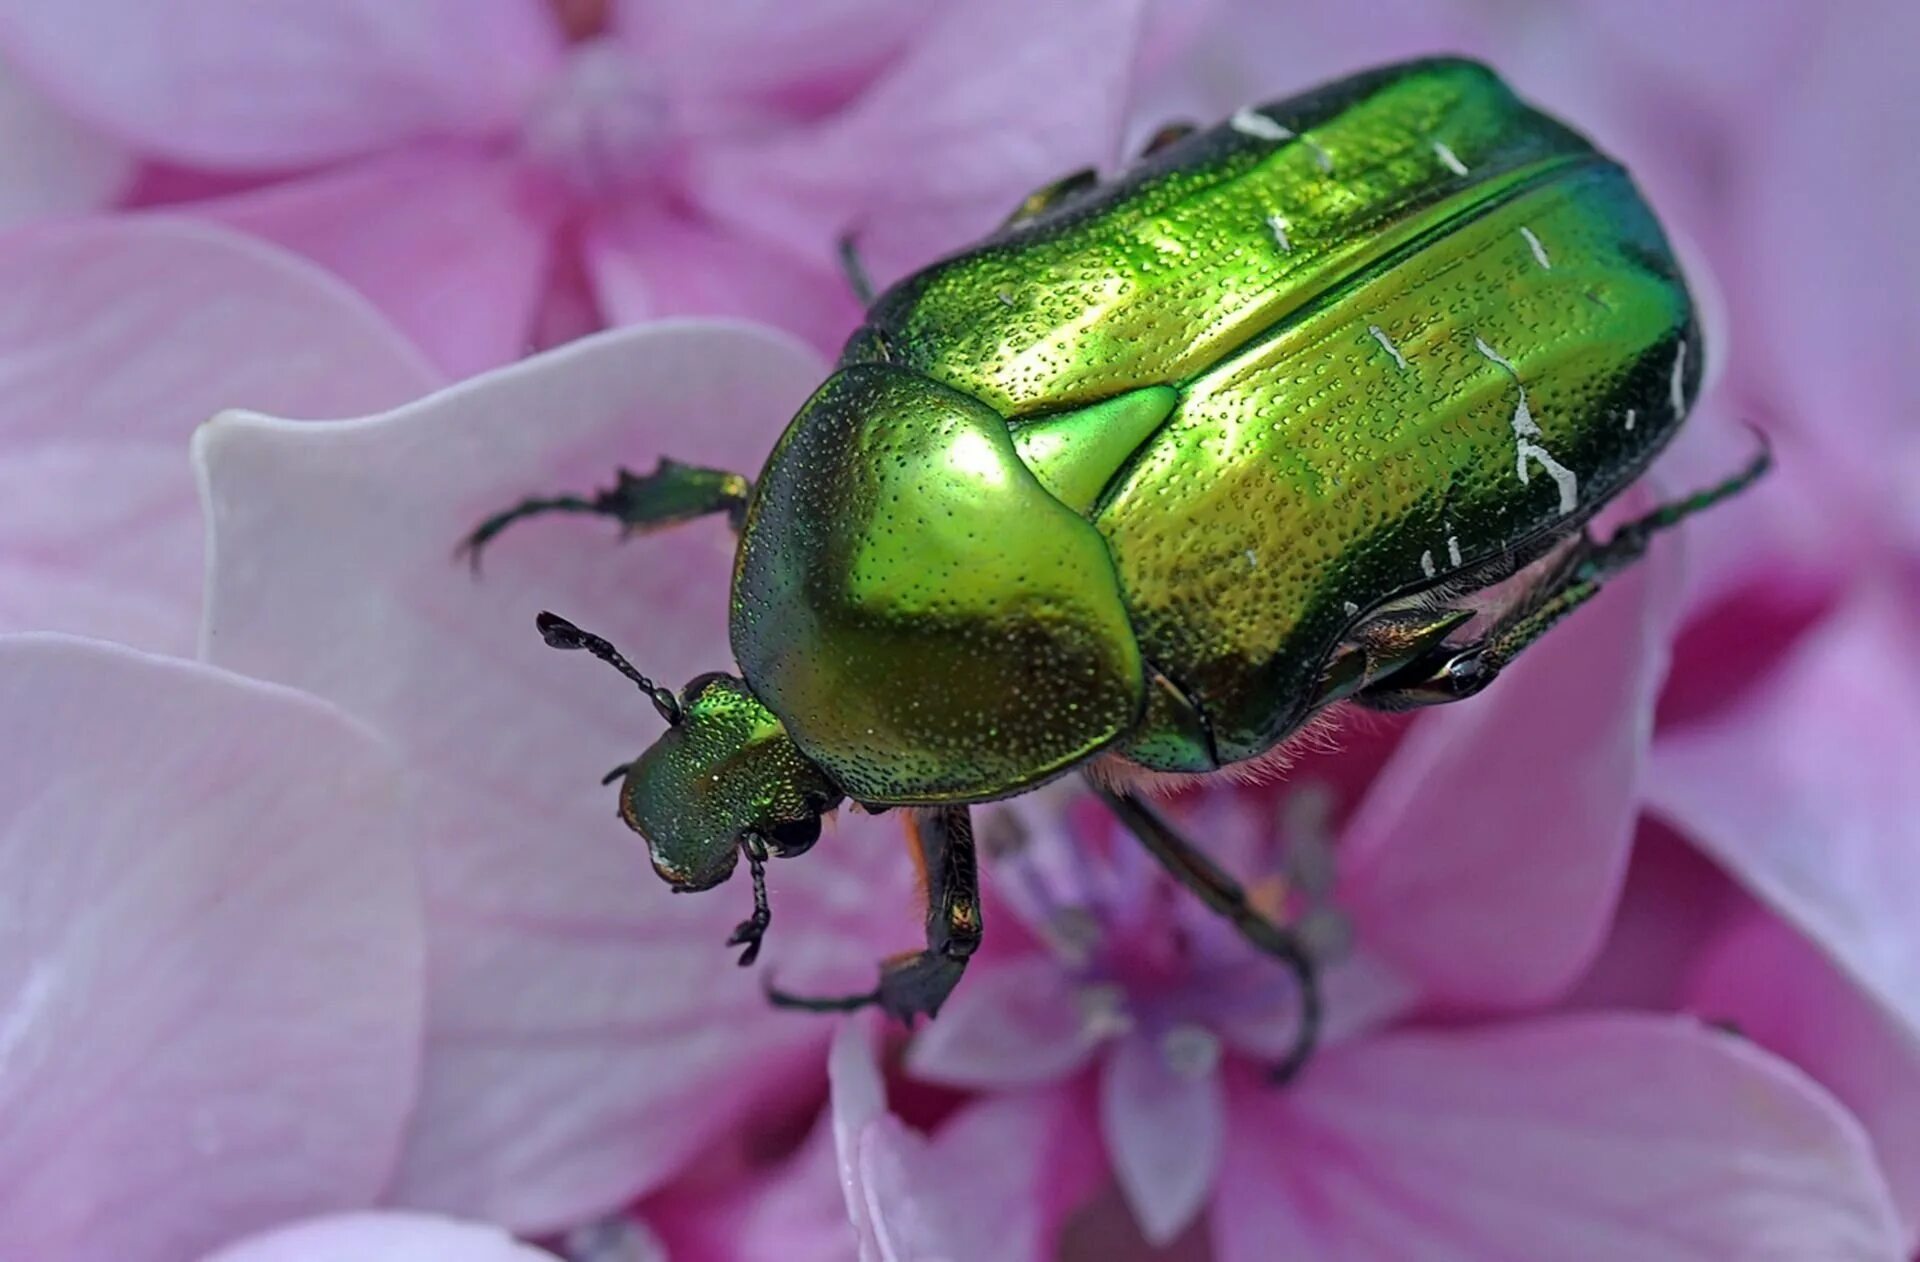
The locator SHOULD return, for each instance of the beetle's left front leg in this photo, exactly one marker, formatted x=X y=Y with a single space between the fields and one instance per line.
x=671 y=494
x=920 y=981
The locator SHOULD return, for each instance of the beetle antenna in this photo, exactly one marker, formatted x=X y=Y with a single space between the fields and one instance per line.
x=561 y=634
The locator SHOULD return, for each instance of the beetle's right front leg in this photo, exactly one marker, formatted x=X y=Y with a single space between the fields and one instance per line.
x=671 y=494
x=920 y=981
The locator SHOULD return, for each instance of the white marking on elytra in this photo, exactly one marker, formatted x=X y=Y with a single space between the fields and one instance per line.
x=1449 y=158
x=1677 y=385
x=1278 y=225
x=1426 y=563
x=1380 y=336
x=1453 y=548
x=1539 y=251
x=1350 y=607
x=1525 y=430
x=1630 y=416
x=1250 y=122
x=1253 y=558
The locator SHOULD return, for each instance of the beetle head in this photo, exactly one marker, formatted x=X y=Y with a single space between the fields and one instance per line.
x=724 y=772
x=725 y=776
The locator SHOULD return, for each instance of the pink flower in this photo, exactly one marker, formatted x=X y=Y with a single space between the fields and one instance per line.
x=561 y=988
x=587 y=1034
x=1477 y=874
x=212 y=961
x=468 y=164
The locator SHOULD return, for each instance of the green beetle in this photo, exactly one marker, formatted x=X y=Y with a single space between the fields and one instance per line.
x=1165 y=467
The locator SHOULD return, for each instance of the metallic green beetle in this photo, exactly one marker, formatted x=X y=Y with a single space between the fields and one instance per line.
x=1161 y=470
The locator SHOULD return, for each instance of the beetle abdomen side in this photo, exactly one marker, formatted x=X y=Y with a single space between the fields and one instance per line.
x=927 y=620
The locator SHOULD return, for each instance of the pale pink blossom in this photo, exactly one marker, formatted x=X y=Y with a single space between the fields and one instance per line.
x=213 y=956
x=463 y=161
x=587 y=1033
x=116 y=340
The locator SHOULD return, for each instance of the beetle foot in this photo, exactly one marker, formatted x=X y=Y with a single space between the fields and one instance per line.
x=1307 y=973
x=911 y=986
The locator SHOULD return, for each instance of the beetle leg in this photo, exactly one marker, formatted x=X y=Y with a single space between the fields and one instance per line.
x=672 y=493
x=1455 y=674
x=1165 y=135
x=855 y=270
x=1047 y=196
x=1384 y=645
x=920 y=981
x=1219 y=891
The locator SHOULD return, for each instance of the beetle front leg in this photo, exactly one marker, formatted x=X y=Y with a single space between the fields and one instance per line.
x=671 y=494
x=919 y=982
x=1219 y=891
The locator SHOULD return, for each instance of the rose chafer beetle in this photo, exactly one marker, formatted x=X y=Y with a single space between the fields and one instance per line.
x=1160 y=471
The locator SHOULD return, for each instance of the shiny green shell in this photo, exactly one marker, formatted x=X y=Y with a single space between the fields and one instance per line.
x=1121 y=477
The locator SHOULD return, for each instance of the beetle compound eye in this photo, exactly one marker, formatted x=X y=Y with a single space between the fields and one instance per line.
x=794 y=838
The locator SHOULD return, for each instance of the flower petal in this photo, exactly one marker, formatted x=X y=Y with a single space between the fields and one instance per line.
x=647 y=263
x=116 y=339
x=441 y=240
x=1804 y=792
x=980 y=1188
x=1772 y=986
x=588 y=1031
x=1835 y=329
x=1013 y=1023
x=994 y=101
x=1165 y=1131
x=382 y=1237
x=51 y=164
x=797 y=56
x=1582 y=1139
x=237 y=84
x=212 y=964
x=1487 y=857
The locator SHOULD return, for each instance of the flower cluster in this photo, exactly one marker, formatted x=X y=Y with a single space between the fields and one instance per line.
x=319 y=941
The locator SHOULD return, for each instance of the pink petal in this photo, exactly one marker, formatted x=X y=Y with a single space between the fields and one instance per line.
x=795 y=1211
x=1836 y=327
x=1165 y=1131
x=647 y=262
x=1581 y=1139
x=1013 y=1023
x=1805 y=794
x=443 y=241
x=588 y=1031
x=238 y=84
x=116 y=339
x=51 y=164
x=1774 y=988
x=1674 y=906
x=1486 y=859
x=977 y=1189
x=212 y=965
x=799 y=56
x=382 y=1237
x=993 y=102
